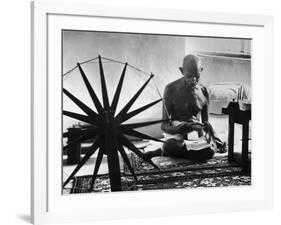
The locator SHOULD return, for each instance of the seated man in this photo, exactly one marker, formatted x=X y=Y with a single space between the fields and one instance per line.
x=184 y=100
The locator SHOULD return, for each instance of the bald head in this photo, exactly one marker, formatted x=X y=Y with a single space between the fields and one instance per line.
x=191 y=69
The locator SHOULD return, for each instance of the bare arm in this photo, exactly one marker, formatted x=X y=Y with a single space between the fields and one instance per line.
x=205 y=110
x=167 y=113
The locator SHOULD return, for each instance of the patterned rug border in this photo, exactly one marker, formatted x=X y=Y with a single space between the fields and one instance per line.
x=167 y=176
x=130 y=181
x=180 y=169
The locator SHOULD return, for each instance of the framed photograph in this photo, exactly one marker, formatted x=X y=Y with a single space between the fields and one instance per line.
x=149 y=112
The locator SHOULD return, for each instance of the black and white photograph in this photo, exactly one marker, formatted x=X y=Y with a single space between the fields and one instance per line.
x=140 y=112
x=154 y=111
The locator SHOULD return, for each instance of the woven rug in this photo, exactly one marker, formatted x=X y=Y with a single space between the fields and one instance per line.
x=173 y=173
x=167 y=164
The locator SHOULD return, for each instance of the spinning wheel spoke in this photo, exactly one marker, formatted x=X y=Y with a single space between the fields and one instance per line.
x=126 y=108
x=118 y=90
x=94 y=147
x=84 y=107
x=134 y=149
x=139 y=110
x=90 y=90
x=77 y=116
x=108 y=132
x=141 y=135
x=97 y=166
x=103 y=86
x=125 y=127
x=126 y=160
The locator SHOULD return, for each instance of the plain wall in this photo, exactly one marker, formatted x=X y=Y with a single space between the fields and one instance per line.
x=223 y=69
x=212 y=44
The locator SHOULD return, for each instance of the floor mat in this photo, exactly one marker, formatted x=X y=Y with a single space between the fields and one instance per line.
x=217 y=172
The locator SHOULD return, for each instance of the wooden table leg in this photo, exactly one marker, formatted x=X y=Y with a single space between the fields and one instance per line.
x=230 y=138
x=245 y=146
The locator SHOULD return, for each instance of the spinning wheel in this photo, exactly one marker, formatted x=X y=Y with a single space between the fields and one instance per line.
x=107 y=128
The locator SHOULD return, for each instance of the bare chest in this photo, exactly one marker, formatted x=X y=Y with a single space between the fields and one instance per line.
x=189 y=101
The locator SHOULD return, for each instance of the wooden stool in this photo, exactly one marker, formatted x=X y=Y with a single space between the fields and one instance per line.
x=241 y=117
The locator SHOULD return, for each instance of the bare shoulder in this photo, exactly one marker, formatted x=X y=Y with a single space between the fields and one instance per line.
x=174 y=84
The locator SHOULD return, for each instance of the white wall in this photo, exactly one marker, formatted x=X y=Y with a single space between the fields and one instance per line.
x=15 y=110
x=225 y=69
x=226 y=45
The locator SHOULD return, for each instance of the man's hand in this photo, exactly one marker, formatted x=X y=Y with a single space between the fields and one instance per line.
x=185 y=127
x=182 y=127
